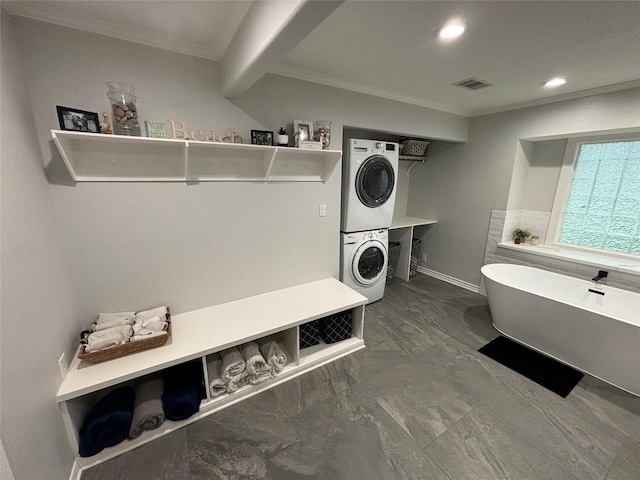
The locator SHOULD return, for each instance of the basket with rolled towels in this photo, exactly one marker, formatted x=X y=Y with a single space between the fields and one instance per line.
x=248 y=364
x=114 y=335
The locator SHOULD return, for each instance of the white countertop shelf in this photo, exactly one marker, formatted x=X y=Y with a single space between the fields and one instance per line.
x=92 y=157
x=402 y=222
x=200 y=332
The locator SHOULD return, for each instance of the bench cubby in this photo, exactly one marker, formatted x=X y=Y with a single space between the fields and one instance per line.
x=203 y=332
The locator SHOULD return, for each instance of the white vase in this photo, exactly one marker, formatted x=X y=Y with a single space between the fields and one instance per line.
x=282 y=140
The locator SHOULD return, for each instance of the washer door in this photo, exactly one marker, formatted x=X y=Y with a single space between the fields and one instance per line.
x=368 y=263
x=374 y=181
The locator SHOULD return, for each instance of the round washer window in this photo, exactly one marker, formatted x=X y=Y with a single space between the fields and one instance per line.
x=369 y=261
x=374 y=181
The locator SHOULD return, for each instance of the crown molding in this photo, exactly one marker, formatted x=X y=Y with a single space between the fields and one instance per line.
x=291 y=72
x=48 y=12
x=559 y=98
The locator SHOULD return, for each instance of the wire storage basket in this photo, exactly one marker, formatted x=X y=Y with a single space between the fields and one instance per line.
x=394 y=257
x=415 y=256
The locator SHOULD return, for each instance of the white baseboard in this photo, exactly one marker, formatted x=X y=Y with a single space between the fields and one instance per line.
x=76 y=471
x=441 y=276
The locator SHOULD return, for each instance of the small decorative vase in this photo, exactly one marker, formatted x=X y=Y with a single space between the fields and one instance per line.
x=123 y=109
x=517 y=240
x=282 y=140
x=323 y=133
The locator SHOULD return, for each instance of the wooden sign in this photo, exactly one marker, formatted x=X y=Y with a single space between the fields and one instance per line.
x=179 y=131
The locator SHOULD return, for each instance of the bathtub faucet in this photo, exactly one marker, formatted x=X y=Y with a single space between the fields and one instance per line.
x=601 y=274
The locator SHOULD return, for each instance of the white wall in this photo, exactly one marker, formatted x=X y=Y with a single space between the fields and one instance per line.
x=276 y=100
x=462 y=184
x=544 y=172
x=72 y=250
x=38 y=316
x=136 y=245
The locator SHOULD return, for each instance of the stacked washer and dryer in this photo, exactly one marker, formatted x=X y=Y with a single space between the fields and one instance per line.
x=369 y=180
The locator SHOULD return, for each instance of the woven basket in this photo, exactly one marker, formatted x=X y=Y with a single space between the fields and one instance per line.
x=415 y=148
x=126 y=348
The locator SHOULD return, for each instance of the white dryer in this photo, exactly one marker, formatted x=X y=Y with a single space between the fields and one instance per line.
x=369 y=181
x=363 y=262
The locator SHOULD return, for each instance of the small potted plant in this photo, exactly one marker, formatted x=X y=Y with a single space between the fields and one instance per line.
x=521 y=235
x=282 y=139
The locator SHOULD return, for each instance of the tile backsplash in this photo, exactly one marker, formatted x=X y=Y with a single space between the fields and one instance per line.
x=501 y=228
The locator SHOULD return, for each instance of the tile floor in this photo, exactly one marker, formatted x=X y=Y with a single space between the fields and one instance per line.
x=418 y=403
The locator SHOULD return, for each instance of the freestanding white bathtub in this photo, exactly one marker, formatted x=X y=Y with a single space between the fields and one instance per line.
x=558 y=316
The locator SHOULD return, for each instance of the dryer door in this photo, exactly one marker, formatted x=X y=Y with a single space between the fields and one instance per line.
x=369 y=262
x=374 y=181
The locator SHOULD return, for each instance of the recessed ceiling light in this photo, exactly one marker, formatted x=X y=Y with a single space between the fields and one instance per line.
x=555 y=82
x=452 y=30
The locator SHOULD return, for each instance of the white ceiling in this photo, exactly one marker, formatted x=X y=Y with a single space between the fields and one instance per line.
x=388 y=48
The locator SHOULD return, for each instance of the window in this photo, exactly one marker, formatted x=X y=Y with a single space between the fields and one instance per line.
x=600 y=196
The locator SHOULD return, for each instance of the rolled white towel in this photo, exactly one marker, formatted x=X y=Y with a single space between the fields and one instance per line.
x=108 y=317
x=154 y=312
x=233 y=363
x=111 y=323
x=214 y=368
x=145 y=327
x=136 y=338
x=238 y=381
x=108 y=338
x=261 y=377
x=256 y=363
x=274 y=354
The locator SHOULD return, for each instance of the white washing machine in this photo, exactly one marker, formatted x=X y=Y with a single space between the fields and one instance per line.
x=369 y=181
x=363 y=263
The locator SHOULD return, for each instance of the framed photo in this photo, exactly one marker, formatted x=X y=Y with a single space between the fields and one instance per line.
x=261 y=137
x=302 y=131
x=78 y=120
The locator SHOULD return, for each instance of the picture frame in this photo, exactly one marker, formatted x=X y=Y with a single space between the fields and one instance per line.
x=261 y=137
x=76 y=120
x=302 y=131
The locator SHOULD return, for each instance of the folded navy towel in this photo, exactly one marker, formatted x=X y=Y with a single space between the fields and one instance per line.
x=108 y=422
x=183 y=390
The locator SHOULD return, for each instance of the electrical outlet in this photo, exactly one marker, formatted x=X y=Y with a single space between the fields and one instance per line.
x=64 y=366
x=323 y=210
x=423 y=257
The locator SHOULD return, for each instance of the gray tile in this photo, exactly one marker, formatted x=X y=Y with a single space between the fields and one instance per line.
x=478 y=447
x=416 y=393
x=565 y=429
x=351 y=437
x=162 y=459
x=627 y=463
x=612 y=405
x=313 y=387
x=245 y=441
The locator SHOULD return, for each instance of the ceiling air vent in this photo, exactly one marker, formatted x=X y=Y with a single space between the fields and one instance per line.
x=471 y=84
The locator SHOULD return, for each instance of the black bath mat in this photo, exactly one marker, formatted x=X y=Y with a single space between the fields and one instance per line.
x=545 y=371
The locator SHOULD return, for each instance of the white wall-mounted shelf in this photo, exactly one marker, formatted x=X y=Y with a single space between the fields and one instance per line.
x=92 y=157
x=209 y=330
x=402 y=230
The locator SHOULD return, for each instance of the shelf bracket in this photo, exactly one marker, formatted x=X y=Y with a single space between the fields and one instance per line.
x=269 y=161
x=411 y=166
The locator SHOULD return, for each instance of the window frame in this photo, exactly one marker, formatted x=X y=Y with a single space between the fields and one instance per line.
x=563 y=190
